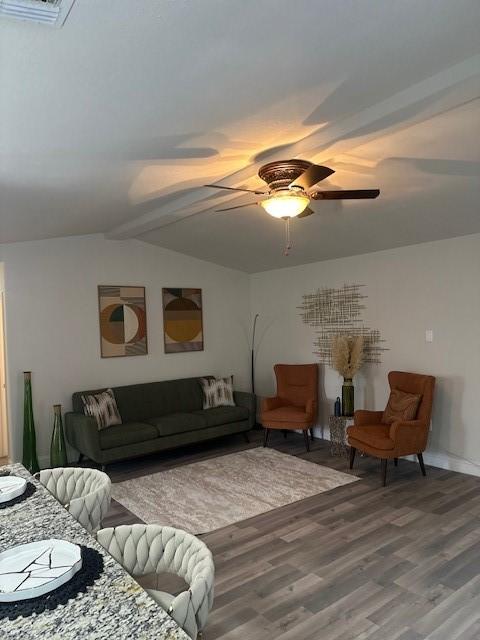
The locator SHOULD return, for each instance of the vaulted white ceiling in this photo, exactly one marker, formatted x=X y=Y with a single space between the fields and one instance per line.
x=113 y=123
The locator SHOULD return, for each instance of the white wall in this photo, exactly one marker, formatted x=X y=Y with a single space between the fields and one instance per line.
x=52 y=321
x=52 y=326
x=429 y=286
x=3 y=397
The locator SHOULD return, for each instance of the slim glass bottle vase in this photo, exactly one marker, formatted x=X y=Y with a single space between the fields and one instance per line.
x=348 y=397
x=29 y=457
x=58 y=450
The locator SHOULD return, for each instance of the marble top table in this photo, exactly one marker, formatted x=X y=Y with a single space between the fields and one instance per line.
x=115 y=607
x=338 y=435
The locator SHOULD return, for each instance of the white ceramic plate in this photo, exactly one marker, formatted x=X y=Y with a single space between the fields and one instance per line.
x=30 y=570
x=11 y=487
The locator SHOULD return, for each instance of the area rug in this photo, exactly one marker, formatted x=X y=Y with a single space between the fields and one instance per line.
x=211 y=494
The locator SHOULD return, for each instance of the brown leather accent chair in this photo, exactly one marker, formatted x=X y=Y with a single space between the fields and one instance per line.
x=401 y=438
x=296 y=404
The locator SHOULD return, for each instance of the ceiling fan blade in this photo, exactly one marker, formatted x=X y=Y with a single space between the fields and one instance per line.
x=306 y=212
x=358 y=194
x=311 y=176
x=218 y=186
x=239 y=206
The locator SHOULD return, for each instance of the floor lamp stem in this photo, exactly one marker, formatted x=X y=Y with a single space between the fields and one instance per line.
x=252 y=362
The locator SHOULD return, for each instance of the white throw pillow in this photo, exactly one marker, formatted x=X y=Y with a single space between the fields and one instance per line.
x=217 y=392
x=102 y=407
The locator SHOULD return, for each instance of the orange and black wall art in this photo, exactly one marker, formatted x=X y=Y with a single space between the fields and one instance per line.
x=182 y=320
x=123 y=321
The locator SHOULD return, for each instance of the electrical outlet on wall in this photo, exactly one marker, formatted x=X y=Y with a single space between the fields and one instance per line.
x=429 y=335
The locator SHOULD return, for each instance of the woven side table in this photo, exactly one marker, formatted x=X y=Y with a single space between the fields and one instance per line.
x=338 y=428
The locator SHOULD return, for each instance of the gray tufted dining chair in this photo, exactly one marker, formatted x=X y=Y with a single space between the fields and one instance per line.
x=143 y=549
x=85 y=493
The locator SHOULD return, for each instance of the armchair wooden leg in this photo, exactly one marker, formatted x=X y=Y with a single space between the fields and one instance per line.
x=395 y=462
x=384 y=471
x=306 y=438
x=285 y=433
x=266 y=433
x=311 y=433
x=422 y=464
x=353 y=451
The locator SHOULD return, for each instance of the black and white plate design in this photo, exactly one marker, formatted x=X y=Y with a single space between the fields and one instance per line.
x=11 y=487
x=31 y=570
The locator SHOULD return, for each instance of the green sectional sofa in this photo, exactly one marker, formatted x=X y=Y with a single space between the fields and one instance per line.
x=155 y=416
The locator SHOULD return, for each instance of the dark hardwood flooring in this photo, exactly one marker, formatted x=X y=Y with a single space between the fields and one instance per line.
x=360 y=562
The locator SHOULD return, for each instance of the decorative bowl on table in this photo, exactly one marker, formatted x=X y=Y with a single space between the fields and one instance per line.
x=11 y=487
x=31 y=570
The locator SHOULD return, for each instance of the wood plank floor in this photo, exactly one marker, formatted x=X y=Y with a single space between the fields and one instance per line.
x=360 y=562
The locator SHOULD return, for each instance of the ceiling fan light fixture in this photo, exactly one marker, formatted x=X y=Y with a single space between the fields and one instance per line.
x=285 y=205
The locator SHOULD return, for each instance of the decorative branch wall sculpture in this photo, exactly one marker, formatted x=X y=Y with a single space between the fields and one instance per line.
x=338 y=312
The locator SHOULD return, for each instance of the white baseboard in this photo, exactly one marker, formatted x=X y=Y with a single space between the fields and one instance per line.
x=72 y=457
x=439 y=459
x=449 y=462
x=431 y=458
x=44 y=461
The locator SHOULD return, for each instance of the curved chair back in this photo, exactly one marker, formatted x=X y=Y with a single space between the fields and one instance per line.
x=84 y=492
x=149 y=548
x=297 y=383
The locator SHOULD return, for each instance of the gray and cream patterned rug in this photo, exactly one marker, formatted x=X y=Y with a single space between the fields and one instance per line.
x=211 y=494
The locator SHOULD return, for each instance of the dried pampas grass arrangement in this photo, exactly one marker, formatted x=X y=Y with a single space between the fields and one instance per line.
x=347 y=354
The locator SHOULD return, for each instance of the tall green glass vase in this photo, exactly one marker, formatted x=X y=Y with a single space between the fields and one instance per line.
x=58 y=450
x=348 y=397
x=29 y=458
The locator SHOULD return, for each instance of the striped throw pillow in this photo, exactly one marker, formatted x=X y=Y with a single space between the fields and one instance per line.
x=401 y=406
x=217 y=392
x=102 y=407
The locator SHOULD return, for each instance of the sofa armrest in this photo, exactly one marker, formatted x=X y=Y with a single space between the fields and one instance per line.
x=245 y=399
x=411 y=435
x=82 y=434
x=362 y=418
x=271 y=403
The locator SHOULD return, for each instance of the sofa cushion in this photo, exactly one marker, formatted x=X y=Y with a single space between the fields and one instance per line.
x=125 y=434
x=177 y=423
x=223 y=415
x=375 y=435
x=137 y=402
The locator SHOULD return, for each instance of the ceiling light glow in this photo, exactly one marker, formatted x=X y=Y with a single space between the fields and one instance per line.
x=285 y=205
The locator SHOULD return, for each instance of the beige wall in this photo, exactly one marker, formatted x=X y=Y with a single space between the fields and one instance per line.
x=52 y=321
x=429 y=286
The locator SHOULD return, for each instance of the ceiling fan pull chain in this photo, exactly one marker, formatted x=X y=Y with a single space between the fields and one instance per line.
x=288 y=243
